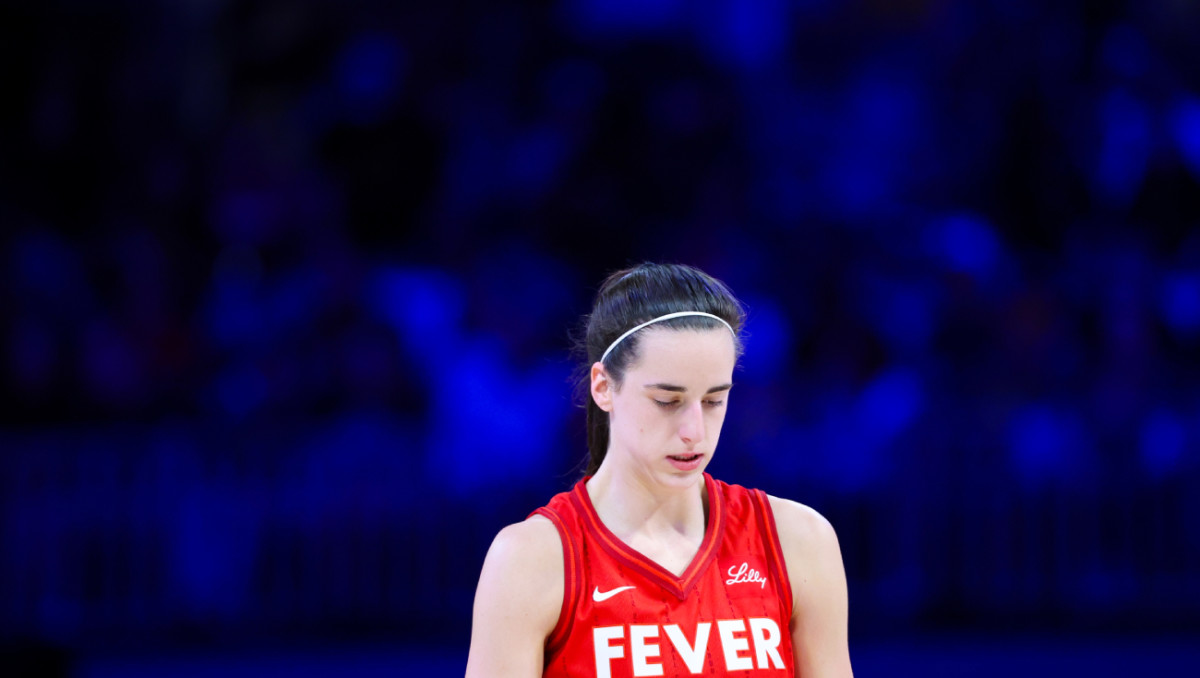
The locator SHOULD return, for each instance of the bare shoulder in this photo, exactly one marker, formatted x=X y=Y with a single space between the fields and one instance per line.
x=801 y=526
x=518 y=601
x=810 y=547
x=820 y=605
x=526 y=562
x=533 y=541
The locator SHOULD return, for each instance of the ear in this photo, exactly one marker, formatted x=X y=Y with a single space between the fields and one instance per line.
x=602 y=387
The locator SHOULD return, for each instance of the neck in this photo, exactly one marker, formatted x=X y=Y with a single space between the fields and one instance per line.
x=630 y=503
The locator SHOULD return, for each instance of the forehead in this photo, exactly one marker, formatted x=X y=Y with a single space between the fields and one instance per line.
x=682 y=356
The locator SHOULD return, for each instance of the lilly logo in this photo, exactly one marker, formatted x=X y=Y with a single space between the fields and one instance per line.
x=744 y=574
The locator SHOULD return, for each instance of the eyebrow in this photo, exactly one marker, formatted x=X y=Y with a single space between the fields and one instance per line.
x=679 y=389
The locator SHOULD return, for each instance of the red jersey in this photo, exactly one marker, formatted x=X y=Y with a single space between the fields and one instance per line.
x=624 y=615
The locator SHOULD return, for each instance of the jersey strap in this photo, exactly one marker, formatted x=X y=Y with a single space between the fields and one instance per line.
x=778 y=566
x=571 y=581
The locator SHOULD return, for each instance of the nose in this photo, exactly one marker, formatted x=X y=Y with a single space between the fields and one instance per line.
x=691 y=424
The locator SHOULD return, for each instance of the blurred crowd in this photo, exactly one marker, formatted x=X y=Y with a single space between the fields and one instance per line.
x=290 y=288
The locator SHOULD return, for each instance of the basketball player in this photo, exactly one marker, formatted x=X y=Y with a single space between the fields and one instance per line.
x=649 y=566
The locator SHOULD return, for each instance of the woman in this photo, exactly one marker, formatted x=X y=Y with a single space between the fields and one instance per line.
x=649 y=566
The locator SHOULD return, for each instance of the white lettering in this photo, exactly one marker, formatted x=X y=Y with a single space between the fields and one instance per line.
x=638 y=633
x=743 y=648
x=693 y=655
x=765 y=633
x=605 y=652
x=732 y=645
x=746 y=575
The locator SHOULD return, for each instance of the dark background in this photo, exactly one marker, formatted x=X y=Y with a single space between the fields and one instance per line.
x=288 y=289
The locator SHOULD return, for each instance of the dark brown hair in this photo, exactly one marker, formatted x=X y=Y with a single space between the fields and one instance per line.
x=633 y=296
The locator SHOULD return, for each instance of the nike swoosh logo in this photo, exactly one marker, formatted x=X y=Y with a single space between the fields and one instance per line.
x=601 y=597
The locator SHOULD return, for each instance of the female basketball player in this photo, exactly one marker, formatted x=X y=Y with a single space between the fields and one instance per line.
x=649 y=566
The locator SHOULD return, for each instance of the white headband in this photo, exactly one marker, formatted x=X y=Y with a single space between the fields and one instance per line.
x=668 y=316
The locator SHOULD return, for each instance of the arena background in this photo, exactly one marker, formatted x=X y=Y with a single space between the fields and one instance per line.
x=288 y=289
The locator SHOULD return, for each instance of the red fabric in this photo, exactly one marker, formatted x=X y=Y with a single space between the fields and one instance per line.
x=735 y=592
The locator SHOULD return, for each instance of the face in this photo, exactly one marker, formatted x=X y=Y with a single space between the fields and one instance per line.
x=666 y=417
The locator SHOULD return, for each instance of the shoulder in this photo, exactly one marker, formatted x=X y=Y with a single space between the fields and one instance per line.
x=799 y=527
x=811 y=551
x=531 y=548
x=518 y=600
x=536 y=533
x=818 y=582
x=525 y=566
x=802 y=526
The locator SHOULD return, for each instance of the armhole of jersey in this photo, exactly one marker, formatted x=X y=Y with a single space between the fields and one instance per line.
x=775 y=551
x=566 y=615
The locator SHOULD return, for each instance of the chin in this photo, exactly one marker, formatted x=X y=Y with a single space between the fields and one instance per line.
x=677 y=475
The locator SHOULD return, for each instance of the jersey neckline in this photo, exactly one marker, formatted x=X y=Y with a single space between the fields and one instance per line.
x=681 y=585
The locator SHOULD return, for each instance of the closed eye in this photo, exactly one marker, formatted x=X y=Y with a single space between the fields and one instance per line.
x=671 y=404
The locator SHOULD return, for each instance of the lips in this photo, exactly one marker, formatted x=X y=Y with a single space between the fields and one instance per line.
x=685 y=462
